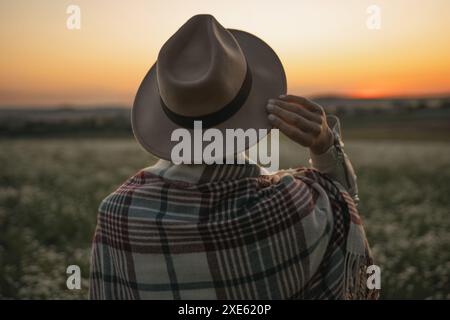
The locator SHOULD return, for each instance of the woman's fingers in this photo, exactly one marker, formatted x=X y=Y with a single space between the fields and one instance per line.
x=313 y=107
x=301 y=120
x=291 y=131
x=294 y=119
x=296 y=108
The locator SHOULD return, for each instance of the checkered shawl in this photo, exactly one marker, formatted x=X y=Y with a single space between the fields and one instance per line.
x=228 y=232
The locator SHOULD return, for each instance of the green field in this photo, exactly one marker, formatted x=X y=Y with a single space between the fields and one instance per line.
x=51 y=188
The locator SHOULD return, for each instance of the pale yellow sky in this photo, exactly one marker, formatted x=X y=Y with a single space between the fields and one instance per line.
x=325 y=46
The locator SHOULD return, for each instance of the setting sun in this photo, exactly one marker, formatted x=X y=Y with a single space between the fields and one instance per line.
x=326 y=46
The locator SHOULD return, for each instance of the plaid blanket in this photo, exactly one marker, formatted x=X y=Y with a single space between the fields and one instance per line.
x=229 y=232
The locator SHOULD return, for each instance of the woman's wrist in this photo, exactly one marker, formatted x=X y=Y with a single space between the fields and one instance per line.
x=324 y=145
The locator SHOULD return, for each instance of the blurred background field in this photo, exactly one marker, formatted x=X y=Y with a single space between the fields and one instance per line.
x=66 y=140
x=50 y=188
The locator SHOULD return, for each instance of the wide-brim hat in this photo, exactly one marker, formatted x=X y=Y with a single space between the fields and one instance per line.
x=223 y=77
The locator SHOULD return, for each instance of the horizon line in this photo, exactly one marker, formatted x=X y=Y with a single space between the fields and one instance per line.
x=330 y=95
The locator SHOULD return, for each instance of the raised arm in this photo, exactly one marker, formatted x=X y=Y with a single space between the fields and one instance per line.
x=306 y=123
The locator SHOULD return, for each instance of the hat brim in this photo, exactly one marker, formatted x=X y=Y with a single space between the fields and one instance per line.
x=153 y=129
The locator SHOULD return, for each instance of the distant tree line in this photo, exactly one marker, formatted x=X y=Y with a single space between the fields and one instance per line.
x=116 y=122
x=117 y=126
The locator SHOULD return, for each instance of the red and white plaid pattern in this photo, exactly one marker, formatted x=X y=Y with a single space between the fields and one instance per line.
x=228 y=232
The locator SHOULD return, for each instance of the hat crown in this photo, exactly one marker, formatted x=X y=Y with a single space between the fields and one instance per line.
x=200 y=68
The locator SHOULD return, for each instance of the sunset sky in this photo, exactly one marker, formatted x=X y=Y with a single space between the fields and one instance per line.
x=325 y=46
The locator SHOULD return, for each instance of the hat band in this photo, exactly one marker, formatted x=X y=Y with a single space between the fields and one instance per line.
x=212 y=119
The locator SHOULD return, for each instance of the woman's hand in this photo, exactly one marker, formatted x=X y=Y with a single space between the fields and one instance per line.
x=301 y=120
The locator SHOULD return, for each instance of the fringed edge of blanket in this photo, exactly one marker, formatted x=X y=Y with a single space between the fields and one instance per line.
x=356 y=276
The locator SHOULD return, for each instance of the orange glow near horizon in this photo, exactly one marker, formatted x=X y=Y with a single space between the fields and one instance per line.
x=325 y=46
